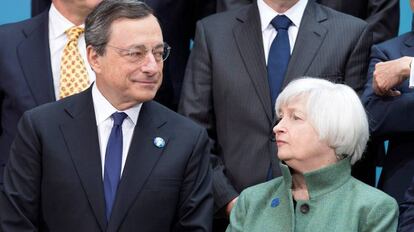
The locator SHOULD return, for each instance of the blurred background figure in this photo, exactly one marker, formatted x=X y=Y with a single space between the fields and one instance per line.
x=322 y=130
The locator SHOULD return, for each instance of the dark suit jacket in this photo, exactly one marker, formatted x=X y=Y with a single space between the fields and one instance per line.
x=25 y=75
x=383 y=16
x=391 y=119
x=226 y=88
x=406 y=219
x=53 y=181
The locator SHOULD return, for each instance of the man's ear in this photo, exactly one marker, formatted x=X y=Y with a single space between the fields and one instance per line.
x=93 y=59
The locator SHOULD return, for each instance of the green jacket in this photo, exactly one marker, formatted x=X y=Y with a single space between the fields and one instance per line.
x=338 y=202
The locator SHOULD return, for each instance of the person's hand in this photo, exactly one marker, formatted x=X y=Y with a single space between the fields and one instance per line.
x=230 y=206
x=387 y=75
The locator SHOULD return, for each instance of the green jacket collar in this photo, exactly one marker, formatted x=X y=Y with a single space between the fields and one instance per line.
x=324 y=180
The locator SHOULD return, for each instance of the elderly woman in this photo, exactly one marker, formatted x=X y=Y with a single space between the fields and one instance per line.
x=322 y=130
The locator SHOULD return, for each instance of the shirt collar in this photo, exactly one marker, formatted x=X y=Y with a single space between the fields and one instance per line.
x=295 y=13
x=58 y=24
x=104 y=109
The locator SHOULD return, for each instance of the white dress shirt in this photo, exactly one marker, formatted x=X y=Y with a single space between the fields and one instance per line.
x=58 y=24
x=295 y=14
x=104 y=122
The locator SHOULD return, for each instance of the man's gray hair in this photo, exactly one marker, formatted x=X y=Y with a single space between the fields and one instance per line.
x=334 y=110
x=99 y=21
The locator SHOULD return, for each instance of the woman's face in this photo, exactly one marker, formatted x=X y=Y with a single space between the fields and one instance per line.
x=297 y=140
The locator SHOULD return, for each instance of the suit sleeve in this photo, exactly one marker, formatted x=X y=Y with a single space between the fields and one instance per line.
x=196 y=205
x=197 y=103
x=20 y=200
x=383 y=19
x=385 y=113
x=357 y=65
x=406 y=220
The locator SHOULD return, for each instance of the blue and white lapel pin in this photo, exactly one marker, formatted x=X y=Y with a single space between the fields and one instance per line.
x=159 y=142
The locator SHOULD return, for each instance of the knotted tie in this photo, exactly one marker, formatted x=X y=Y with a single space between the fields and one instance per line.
x=279 y=56
x=113 y=162
x=73 y=74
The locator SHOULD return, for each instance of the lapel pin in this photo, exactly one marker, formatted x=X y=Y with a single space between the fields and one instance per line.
x=275 y=202
x=159 y=142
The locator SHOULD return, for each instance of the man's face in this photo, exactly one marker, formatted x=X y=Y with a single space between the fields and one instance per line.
x=124 y=79
x=412 y=5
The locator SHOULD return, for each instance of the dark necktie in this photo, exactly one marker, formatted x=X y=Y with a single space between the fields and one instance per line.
x=113 y=162
x=279 y=55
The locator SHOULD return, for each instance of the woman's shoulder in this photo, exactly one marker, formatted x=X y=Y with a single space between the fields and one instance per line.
x=264 y=189
x=372 y=196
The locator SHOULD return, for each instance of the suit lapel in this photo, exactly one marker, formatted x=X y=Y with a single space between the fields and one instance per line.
x=81 y=137
x=309 y=40
x=34 y=56
x=408 y=48
x=142 y=157
x=248 y=38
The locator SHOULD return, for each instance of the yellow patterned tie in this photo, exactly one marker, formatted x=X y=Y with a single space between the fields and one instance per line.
x=73 y=74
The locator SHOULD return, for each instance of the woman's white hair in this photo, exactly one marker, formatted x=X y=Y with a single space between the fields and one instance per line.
x=334 y=110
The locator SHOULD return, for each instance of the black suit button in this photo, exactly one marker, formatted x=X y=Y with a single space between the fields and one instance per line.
x=304 y=208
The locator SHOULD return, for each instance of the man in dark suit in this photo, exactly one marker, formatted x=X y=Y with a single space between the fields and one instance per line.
x=382 y=16
x=226 y=87
x=109 y=158
x=177 y=19
x=30 y=54
x=388 y=98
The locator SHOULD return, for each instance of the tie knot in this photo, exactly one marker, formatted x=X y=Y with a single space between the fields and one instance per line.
x=73 y=33
x=119 y=118
x=281 y=22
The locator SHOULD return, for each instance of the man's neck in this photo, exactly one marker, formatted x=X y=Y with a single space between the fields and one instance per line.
x=77 y=18
x=281 y=6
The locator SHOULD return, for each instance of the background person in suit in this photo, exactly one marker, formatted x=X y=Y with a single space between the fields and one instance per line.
x=226 y=86
x=31 y=53
x=388 y=99
x=69 y=171
x=382 y=16
x=178 y=19
x=322 y=131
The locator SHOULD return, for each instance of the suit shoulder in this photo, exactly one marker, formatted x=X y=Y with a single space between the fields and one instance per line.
x=226 y=18
x=341 y=18
x=396 y=42
x=29 y=24
x=177 y=120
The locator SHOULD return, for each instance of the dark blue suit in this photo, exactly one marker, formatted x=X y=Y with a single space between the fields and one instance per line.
x=53 y=181
x=391 y=118
x=25 y=75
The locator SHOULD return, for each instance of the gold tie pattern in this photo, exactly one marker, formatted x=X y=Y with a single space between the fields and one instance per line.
x=73 y=74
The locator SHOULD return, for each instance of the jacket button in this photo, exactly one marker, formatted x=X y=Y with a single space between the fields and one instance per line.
x=304 y=208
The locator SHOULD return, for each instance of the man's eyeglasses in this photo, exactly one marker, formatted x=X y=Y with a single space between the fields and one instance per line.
x=138 y=53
